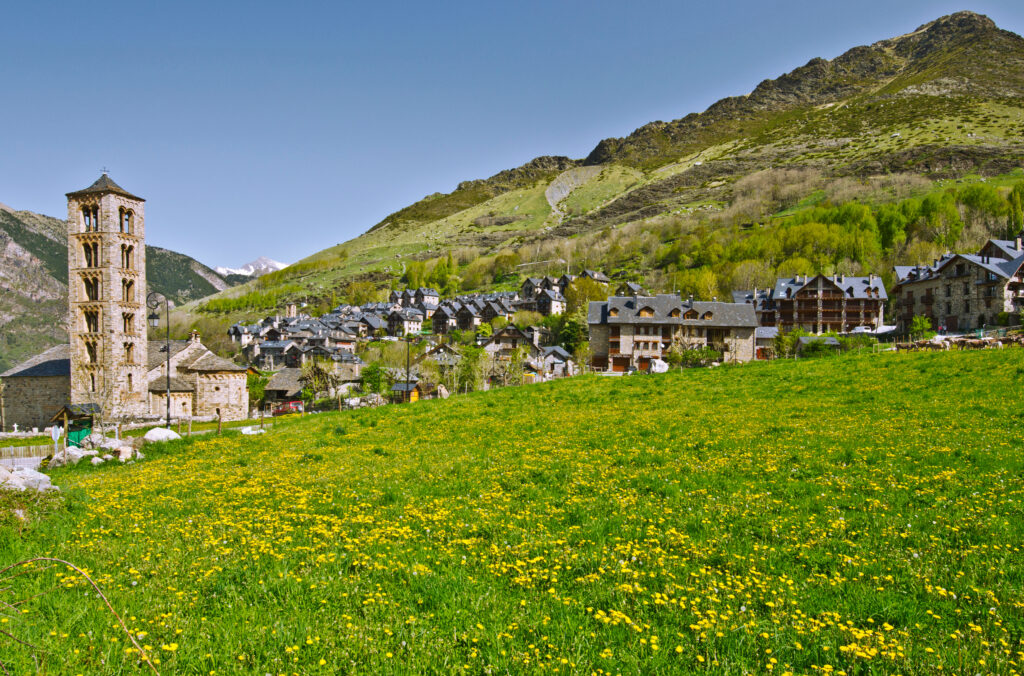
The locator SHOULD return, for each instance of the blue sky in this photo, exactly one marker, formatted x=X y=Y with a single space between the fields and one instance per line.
x=258 y=128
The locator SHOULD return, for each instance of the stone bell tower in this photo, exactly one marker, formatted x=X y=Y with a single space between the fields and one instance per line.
x=107 y=299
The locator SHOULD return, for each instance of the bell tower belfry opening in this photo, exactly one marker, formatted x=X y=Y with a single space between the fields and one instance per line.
x=106 y=297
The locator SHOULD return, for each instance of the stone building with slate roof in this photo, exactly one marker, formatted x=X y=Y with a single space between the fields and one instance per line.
x=109 y=362
x=628 y=332
x=963 y=291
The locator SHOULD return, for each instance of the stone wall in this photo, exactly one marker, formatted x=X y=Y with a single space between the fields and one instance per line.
x=182 y=405
x=112 y=380
x=32 y=400
x=224 y=391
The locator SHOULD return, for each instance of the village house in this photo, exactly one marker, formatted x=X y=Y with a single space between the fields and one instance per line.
x=628 y=332
x=819 y=304
x=405 y=322
x=960 y=292
x=550 y=302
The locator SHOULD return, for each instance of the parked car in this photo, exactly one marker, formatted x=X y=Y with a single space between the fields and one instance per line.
x=289 y=407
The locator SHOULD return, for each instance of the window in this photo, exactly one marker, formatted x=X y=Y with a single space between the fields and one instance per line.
x=129 y=353
x=91 y=254
x=127 y=254
x=92 y=321
x=92 y=382
x=967 y=288
x=690 y=314
x=614 y=312
x=129 y=322
x=949 y=308
x=948 y=290
x=131 y=385
x=91 y=218
x=90 y=353
x=127 y=291
x=127 y=220
x=92 y=288
x=674 y=312
x=707 y=316
x=646 y=312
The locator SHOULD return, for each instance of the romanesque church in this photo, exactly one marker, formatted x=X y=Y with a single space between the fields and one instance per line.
x=108 y=361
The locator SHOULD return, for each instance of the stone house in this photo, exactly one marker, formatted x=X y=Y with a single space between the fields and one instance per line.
x=405 y=322
x=444 y=320
x=628 y=332
x=550 y=302
x=963 y=291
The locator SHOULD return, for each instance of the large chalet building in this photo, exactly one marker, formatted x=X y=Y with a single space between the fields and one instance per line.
x=963 y=291
x=819 y=304
x=629 y=332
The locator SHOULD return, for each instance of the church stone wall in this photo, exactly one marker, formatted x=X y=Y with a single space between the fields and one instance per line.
x=31 y=401
x=224 y=391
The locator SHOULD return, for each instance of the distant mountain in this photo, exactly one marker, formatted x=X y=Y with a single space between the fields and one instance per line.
x=943 y=101
x=256 y=268
x=34 y=274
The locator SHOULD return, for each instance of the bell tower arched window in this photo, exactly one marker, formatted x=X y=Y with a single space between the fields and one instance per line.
x=92 y=288
x=91 y=218
x=92 y=321
x=126 y=219
x=91 y=254
x=127 y=291
x=127 y=256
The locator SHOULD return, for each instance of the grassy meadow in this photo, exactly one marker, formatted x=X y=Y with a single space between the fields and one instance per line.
x=854 y=515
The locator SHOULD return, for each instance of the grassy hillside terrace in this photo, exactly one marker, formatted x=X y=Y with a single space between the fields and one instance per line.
x=855 y=515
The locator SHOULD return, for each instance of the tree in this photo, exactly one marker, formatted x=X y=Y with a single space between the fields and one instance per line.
x=374 y=380
x=581 y=291
x=484 y=330
x=921 y=327
x=470 y=370
x=360 y=293
x=257 y=386
x=574 y=332
x=318 y=377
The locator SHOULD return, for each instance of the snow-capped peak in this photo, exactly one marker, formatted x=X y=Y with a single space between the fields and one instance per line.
x=256 y=268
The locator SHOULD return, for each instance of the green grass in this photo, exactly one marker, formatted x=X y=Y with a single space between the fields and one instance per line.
x=612 y=182
x=859 y=514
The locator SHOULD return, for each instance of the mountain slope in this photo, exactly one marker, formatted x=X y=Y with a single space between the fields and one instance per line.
x=942 y=101
x=33 y=282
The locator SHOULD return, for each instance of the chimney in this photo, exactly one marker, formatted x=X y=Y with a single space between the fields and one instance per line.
x=691 y=300
x=842 y=279
x=193 y=336
x=1018 y=241
x=291 y=310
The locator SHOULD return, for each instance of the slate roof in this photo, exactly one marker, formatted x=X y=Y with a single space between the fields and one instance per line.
x=155 y=355
x=1007 y=246
x=53 y=362
x=159 y=384
x=763 y=332
x=853 y=287
x=596 y=276
x=210 y=363
x=104 y=184
x=557 y=352
x=1002 y=267
x=285 y=380
x=722 y=314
